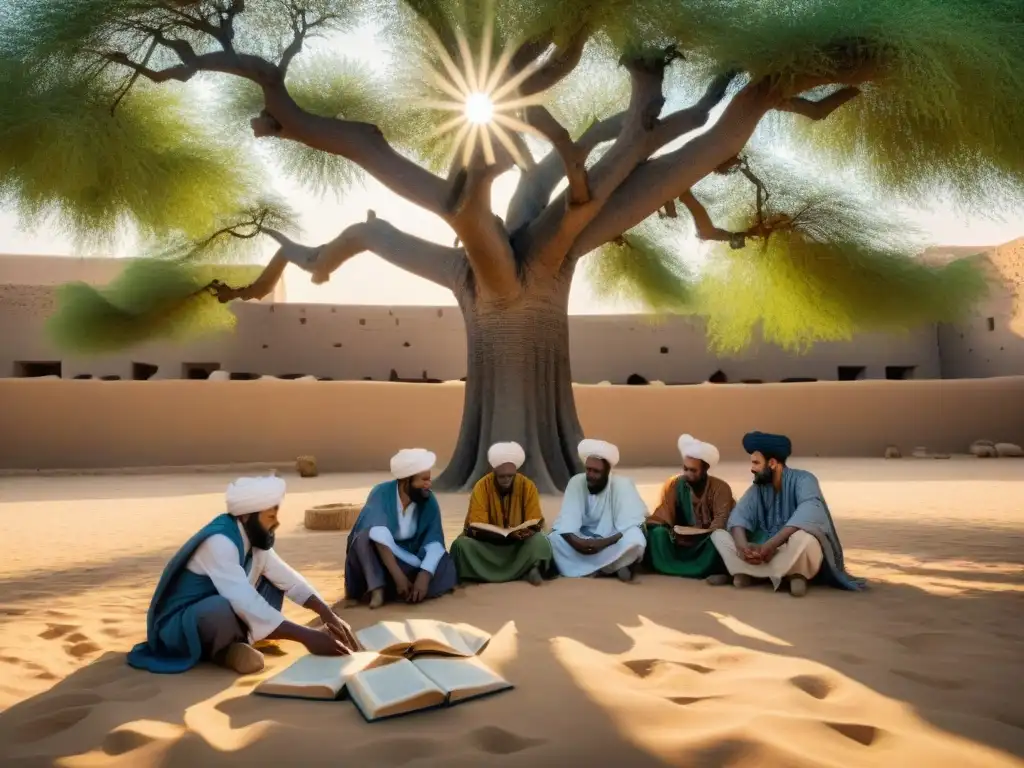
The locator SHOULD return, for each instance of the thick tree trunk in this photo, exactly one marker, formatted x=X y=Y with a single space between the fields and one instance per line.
x=518 y=387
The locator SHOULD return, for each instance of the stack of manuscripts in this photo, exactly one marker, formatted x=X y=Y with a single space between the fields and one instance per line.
x=407 y=666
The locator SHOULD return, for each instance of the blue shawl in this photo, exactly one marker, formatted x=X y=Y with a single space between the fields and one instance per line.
x=799 y=504
x=381 y=509
x=172 y=633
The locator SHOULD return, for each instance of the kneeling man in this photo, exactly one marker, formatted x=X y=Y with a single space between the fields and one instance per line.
x=224 y=589
x=600 y=527
x=781 y=527
x=396 y=547
x=694 y=500
x=504 y=499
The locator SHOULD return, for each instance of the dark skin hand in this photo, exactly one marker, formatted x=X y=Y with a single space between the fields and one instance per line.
x=318 y=641
x=402 y=584
x=590 y=546
x=418 y=591
x=332 y=622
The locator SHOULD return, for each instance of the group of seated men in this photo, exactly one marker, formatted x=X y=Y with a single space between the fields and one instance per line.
x=222 y=593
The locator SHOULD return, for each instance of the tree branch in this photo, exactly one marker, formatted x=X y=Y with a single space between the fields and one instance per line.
x=706 y=229
x=681 y=122
x=562 y=62
x=822 y=108
x=573 y=157
x=440 y=265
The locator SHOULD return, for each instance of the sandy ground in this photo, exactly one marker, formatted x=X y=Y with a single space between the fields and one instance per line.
x=925 y=669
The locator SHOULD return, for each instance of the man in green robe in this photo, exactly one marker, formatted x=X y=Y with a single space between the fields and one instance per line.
x=693 y=505
x=501 y=540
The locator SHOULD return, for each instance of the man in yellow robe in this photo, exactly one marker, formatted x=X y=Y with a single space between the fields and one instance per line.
x=502 y=539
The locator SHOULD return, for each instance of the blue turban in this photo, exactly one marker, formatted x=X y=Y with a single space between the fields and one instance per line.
x=776 y=447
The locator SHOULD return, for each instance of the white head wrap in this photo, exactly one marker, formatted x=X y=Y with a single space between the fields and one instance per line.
x=691 y=448
x=506 y=453
x=254 y=494
x=599 y=448
x=411 y=461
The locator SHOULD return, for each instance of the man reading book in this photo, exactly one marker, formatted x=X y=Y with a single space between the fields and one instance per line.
x=224 y=589
x=396 y=547
x=501 y=539
x=691 y=500
x=600 y=527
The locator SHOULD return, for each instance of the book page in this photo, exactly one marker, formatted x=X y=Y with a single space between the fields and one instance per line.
x=685 y=530
x=473 y=638
x=389 y=636
x=393 y=689
x=527 y=524
x=429 y=635
x=319 y=677
x=495 y=529
x=462 y=678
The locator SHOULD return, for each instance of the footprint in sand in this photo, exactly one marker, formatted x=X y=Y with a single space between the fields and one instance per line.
x=923 y=642
x=646 y=667
x=124 y=740
x=852 y=658
x=685 y=701
x=13 y=612
x=862 y=734
x=54 y=714
x=53 y=631
x=813 y=685
x=497 y=741
x=928 y=681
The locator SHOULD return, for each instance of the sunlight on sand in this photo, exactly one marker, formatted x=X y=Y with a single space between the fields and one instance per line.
x=745 y=630
x=674 y=694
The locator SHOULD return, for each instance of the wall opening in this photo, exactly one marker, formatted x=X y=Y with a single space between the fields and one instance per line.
x=83 y=376
x=636 y=379
x=899 y=372
x=143 y=371
x=797 y=380
x=991 y=323
x=242 y=376
x=718 y=377
x=111 y=377
x=752 y=381
x=664 y=350
x=31 y=369
x=198 y=370
x=850 y=372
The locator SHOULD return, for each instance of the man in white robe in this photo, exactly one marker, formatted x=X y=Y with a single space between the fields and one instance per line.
x=600 y=528
x=222 y=592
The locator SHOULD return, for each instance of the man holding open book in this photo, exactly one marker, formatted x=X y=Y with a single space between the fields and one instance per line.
x=693 y=505
x=501 y=540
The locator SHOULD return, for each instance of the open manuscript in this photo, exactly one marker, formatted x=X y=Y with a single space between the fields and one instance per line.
x=497 y=530
x=384 y=681
x=685 y=530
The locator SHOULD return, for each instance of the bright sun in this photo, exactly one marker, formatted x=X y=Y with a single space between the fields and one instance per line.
x=479 y=108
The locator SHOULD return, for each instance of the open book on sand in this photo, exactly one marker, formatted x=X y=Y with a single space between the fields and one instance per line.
x=410 y=686
x=321 y=677
x=497 y=530
x=415 y=636
x=685 y=530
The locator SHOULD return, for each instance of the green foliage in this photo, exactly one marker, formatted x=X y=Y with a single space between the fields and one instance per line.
x=325 y=84
x=67 y=162
x=831 y=267
x=151 y=299
x=642 y=268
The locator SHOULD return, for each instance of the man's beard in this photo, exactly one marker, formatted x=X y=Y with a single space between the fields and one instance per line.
x=698 y=484
x=259 y=537
x=596 y=486
x=764 y=477
x=506 y=491
x=418 y=496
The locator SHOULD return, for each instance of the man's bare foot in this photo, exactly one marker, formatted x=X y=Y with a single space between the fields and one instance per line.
x=742 y=580
x=625 y=574
x=376 y=599
x=243 y=659
x=534 y=576
x=718 y=579
x=797 y=586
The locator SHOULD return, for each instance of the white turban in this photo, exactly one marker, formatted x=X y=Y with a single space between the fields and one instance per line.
x=599 y=448
x=411 y=461
x=506 y=453
x=691 y=448
x=254 y=494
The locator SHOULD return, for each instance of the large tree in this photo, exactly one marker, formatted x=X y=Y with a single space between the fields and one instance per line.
x=631 y=124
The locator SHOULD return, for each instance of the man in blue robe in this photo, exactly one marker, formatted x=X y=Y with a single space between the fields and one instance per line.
x=781 y=528
x=396 y=548
x=223 y=591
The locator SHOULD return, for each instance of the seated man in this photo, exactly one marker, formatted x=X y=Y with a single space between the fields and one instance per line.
x=396 y=547
x=781 y=527
x=224 y=589
x=692 y=499
x=503 y=498
x=600 y=527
